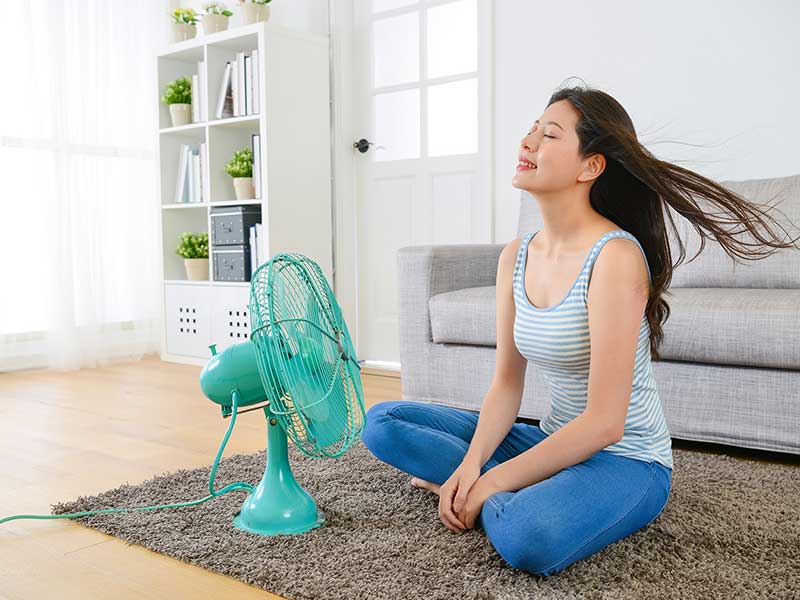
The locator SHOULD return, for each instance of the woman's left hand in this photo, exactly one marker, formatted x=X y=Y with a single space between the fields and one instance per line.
x=478 y=493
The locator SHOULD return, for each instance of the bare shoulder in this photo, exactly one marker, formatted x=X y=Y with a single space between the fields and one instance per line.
x=621 y=265
x=509 y=254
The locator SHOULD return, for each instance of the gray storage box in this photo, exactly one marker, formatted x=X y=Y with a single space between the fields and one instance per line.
x=231 y=263
x=231 y=224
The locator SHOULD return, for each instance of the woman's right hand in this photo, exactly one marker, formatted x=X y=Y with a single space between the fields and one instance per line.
x=453 y=494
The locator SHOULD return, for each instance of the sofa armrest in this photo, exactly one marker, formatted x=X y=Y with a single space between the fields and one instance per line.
x=424 y=271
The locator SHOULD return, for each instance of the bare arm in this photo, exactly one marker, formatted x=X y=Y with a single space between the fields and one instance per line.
x=501 y=405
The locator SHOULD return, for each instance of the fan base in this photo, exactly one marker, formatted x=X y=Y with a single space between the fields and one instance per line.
x=279 y=528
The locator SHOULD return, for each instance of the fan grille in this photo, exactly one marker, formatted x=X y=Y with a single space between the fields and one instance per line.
x=305 y=356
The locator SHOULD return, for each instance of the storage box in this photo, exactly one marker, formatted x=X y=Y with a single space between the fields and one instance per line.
x=231 y=224
x=231 y=262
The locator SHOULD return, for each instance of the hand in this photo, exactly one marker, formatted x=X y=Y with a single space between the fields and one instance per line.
x=470 y=510
x=456 y=489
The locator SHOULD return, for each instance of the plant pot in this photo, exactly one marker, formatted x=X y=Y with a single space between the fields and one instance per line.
x=181 y=113
x=253 y=13
x=196 y=269
x=214 y=23
x=183 y=31
x=244 y=188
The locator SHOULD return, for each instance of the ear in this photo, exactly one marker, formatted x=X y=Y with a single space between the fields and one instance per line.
x=593 y=167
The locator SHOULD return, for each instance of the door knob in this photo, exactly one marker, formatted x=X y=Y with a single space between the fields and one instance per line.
x=363 y=145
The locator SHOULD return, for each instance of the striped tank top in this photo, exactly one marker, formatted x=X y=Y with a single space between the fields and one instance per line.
x=556 y=340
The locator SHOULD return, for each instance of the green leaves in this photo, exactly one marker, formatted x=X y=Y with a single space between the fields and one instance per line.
x=216 y=8
x=241 y=165
x=184 y=15
x=193 y=245
x=178 y=91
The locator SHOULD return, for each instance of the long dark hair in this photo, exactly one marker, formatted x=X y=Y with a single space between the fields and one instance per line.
x=636 y=187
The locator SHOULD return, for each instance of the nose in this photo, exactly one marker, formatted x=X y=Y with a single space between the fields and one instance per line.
x=529 y=142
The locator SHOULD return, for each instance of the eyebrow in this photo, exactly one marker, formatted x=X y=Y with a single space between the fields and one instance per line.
x=551 y=122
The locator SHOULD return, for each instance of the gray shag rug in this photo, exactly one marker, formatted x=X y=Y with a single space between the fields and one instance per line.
x=731 y=529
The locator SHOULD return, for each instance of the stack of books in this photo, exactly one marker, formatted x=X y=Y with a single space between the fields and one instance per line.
x=190 y=186
x=238 y=94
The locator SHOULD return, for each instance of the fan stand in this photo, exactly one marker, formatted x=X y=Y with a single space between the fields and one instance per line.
x=278 y=505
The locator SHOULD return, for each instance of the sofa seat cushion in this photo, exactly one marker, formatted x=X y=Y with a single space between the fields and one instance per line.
x=734 y=326
x=751 y=327
x=466 y=316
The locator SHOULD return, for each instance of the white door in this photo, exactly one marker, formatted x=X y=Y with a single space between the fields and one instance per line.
x=422 y=110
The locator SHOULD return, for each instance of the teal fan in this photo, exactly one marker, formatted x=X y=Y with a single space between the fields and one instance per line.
x=301 y=361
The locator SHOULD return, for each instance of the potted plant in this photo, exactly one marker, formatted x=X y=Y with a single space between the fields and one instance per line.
x=254 y=11
x=193 y=247
x=240 y=168
x=216 y=17
x=178 y=94
x=184 y=25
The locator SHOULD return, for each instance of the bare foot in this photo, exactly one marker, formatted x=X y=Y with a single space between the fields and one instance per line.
x=427 y=485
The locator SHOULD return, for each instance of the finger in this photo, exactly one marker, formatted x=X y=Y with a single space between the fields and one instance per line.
x=446 y=514
x=450 y=520
x=448 y=507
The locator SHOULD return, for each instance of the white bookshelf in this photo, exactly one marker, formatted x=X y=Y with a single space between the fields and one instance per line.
x=293 y=122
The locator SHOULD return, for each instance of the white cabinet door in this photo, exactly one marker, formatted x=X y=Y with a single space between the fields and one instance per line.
x=187 y=319
x=230 y=316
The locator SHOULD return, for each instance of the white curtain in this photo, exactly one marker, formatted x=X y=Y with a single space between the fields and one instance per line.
x=79 y=236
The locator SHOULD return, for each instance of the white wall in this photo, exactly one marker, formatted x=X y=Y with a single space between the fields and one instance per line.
x=722 y=74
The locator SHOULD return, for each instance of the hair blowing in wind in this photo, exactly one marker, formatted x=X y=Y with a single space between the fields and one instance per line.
x=636 y=189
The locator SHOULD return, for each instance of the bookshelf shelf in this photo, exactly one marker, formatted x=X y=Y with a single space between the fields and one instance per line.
x=244 y=121
x=291 y=120
x=183 y=128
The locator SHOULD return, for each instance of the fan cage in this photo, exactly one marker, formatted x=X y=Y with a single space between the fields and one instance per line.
x=305 y=356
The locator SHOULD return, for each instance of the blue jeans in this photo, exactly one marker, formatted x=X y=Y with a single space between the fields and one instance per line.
x=541 y=528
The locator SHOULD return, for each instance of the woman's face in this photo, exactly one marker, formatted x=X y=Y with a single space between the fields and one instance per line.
x=552 y=145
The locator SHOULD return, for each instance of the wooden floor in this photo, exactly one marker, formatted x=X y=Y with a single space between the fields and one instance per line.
x=64 y=435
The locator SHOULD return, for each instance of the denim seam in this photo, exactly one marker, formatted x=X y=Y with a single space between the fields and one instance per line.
x=598 y=534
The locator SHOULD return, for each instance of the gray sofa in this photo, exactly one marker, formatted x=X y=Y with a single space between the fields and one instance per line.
x=730 y=357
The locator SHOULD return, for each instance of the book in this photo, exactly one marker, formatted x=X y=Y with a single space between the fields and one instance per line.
x=261 y=243
x=225 y=101
x=253 y=257
x=189 y=177
x=248 y=87
x=235 y=87
x=201 y=70
x=255 y=80
x=240 y=78
x=180 y=187
x=203 y=169
x=196 y=174
x=195 y=87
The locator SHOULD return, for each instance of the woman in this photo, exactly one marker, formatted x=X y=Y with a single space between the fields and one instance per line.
x=598 y=467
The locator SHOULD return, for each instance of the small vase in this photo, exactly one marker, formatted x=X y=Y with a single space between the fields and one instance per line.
x=181 y=113
x=183 y=31
x=196 y=269
x=244 y=188
x=214 y=23
x=253 y=13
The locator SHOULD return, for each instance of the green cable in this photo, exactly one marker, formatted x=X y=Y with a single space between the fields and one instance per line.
x=225 y=490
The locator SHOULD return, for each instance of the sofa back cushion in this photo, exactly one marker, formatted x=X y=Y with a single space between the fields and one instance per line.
x=713 y=267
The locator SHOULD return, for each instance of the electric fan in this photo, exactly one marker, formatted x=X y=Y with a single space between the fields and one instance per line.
x=301 y=360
